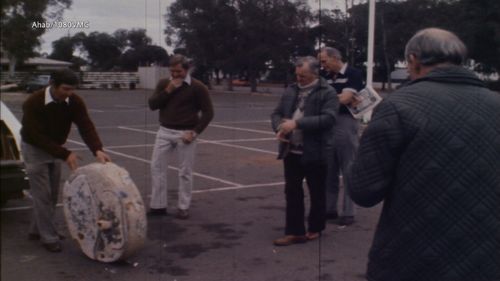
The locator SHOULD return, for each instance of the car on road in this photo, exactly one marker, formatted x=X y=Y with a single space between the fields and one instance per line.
x=13 y=177
x=35 y=83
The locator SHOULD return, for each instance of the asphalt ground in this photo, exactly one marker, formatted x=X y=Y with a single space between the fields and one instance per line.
x=238 y=205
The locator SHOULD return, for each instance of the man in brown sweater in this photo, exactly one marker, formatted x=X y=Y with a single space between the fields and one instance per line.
x=47 y=118
x=180 y=100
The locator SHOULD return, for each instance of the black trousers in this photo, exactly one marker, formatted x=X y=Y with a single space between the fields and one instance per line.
x=315 y=175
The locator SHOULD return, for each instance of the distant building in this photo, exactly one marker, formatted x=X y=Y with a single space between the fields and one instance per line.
x=36 y=64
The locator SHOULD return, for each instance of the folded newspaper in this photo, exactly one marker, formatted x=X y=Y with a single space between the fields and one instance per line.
x=368 y=99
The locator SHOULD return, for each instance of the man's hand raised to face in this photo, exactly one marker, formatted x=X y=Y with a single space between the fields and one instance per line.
x=174 y=84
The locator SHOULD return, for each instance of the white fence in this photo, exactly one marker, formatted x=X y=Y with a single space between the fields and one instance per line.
x=109 y=80
x=150 y=75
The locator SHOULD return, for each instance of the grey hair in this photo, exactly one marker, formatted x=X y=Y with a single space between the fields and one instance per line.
x=179 y=59
x=432 y=46
x=311 y=62
x=332 y=52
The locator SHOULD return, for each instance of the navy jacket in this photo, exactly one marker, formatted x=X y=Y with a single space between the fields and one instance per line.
x=320 y=113
x=432 y=154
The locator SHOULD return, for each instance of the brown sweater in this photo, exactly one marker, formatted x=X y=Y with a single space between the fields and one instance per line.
x=47 y=126
x=179 y=110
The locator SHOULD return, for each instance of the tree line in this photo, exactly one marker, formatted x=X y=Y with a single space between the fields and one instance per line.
x=247 y=38
x=123 y=50
x=253 y=36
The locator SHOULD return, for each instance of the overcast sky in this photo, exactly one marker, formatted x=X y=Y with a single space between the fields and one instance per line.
x=108 y=16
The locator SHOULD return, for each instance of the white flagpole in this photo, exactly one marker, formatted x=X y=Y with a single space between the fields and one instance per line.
x=371 y=40
x=369 y=61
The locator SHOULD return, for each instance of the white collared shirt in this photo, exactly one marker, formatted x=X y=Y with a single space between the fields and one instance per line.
x=343 y=69
x=49 y=99
x=188 y=79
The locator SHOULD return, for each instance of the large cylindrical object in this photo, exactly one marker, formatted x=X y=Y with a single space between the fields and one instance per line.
x=104 y=212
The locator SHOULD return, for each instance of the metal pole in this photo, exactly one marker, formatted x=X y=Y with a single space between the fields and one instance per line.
x=369 y=62
x=371 y=39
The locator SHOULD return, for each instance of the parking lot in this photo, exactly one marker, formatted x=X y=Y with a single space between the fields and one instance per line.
x=237 y=210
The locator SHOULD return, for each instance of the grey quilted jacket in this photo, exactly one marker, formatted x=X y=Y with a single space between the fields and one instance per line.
x=432 y=154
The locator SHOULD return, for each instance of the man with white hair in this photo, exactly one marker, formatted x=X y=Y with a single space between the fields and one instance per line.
x=347 y=82
x=432 y=154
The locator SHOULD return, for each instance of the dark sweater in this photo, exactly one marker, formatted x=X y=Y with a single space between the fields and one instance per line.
x=47 y=126
x=180 y=109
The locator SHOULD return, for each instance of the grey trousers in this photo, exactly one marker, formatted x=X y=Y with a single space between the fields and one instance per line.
x=168 y=141
x=345 y=146
x=44 y=173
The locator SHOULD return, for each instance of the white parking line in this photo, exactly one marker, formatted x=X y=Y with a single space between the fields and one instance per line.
x=239 y=146
x=155 y=125
x=243 y=140
x=216 y=189
x=242 y=122
x=242 y=129
x=137 y=130
x=23 y=208
x=239 y=187
x=171 y=167
x=201 y=141
x=130 y=106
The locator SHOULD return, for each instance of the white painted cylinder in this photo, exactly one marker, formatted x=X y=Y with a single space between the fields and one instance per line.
x=104 y=212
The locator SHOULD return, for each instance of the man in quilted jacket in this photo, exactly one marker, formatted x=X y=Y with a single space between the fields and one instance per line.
x=432 y=154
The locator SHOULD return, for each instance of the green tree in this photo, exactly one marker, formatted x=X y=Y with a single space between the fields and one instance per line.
x=476 y=22
x=205 y=31
x=238 y=36
x=102 y=49
x=20 y=30
x=138 y=49
x=143 y=56
x=62 y=49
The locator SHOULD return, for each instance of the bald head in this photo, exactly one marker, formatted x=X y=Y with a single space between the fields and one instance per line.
x=433 y=46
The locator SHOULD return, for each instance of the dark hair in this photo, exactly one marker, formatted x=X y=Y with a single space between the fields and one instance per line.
x=63 y=76
x=432 y=46
x=179 y=59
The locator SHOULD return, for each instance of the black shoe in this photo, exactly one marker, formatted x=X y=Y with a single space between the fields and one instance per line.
x=182 y=214
x=346 y=220
x=156 y=212
x=53 y=247
x=332 y=216
x=33 y=236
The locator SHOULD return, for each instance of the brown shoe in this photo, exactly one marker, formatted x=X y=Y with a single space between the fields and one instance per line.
x=288 y=240
x=182 y=214
x=312 y=235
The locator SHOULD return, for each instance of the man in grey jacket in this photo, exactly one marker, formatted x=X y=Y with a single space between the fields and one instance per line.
x=303 y=122
x=432 y=154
